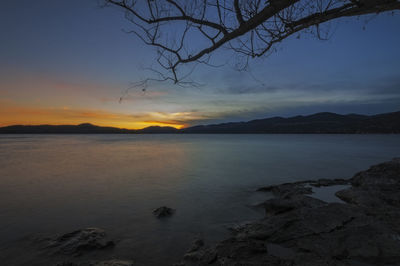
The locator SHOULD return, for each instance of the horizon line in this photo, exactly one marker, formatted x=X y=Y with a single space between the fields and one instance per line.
x=177 y=128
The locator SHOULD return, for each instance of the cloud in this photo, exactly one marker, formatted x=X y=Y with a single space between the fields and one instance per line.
x=385 y=86
x=249 y=89
x=184 y=118
x=135 y=96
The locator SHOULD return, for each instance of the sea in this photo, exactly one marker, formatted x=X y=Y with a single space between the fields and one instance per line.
x=55 y=184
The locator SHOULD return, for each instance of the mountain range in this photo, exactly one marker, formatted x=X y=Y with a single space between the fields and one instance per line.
x=319 y=123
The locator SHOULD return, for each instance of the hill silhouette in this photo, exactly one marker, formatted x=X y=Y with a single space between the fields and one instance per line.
x=317 y=123
x=322 y=123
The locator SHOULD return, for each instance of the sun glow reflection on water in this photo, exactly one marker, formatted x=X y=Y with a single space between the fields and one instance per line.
x=52 y=184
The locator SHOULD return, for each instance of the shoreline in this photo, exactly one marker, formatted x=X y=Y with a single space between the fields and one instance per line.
x=299 y=229
x=357 y=223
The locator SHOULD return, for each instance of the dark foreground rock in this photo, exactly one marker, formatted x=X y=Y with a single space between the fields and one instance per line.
x=163 y=212
x=80 y=241
x=288 y=190
x=301 y=230
x=98 y=263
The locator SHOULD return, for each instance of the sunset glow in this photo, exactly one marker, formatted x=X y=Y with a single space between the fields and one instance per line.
x=189 y=132
x=57 y=71
x=23 y=115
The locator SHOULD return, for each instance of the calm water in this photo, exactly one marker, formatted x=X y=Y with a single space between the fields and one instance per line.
x=52 y=184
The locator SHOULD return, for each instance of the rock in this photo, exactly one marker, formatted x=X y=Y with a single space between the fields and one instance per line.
x=198 y=253
x=301 y=230
x=376 y=191
x=288 y=189
x=280 y=251
x=277 y=206
x=387 y=173
x=333 y=234
x=329 y=182
x=163 y=212
x=197 y=244
x=80 y=241
x=113 y=262
x=203 y=256
x=378 y=187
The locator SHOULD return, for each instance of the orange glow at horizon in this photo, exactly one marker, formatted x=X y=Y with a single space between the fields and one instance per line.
x=11 y=114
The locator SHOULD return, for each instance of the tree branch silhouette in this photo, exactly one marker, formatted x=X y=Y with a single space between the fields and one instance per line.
x=185 y=32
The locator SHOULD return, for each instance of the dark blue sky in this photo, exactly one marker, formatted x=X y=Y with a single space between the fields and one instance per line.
x=71 y=55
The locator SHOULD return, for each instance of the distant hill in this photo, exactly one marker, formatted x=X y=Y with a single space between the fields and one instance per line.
x=61 y=129
x=80 y=129
x=316 y=123
x=157 y=129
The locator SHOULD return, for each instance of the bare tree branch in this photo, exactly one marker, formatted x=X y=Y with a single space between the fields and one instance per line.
x=187 y=32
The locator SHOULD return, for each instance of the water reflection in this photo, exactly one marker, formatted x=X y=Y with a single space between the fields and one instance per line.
x=54 y=184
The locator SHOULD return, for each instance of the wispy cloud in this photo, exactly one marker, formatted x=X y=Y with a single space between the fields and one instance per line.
x=248 y=89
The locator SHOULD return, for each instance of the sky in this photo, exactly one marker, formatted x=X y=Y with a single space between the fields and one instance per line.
x=69 y=62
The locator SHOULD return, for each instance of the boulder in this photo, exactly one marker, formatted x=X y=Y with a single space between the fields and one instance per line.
x=387 y=173
x=163 y=212
x=113 y=262
x=277 y=206
x=329 y=182
x=197 y=244
x=377 y=187
x=80 y=241
x=288 y=190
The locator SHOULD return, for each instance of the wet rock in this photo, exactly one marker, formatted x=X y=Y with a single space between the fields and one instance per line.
x=300 y=223
x=329 y=182
x=281 y=252
x=288 y=190
x=241 y=248
x=80 y=241
x=376 y=191
x=163 y=212
x=333 y=234
x=204 y=256
x=113 y=262
x=387 y=173
x=378 y=187
x=301 y=230
x=277 y=206
x=198 y=254
x=197 y=244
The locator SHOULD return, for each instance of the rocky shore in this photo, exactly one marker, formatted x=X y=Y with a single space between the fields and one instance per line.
x=299 y=229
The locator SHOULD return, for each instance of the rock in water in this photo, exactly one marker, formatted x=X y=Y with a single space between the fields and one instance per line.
x=387 y=173
x=277 y=206
x=163 y=212
x=197 y=244
x=80 y=241
x=198 y=253
x=99 y=263
x=329 y=182
x=288 y=190
x=301 y=230
x=113 y=263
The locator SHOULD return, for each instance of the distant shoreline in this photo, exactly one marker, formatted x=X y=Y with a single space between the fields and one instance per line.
x=183 y=133
x=320 y=123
